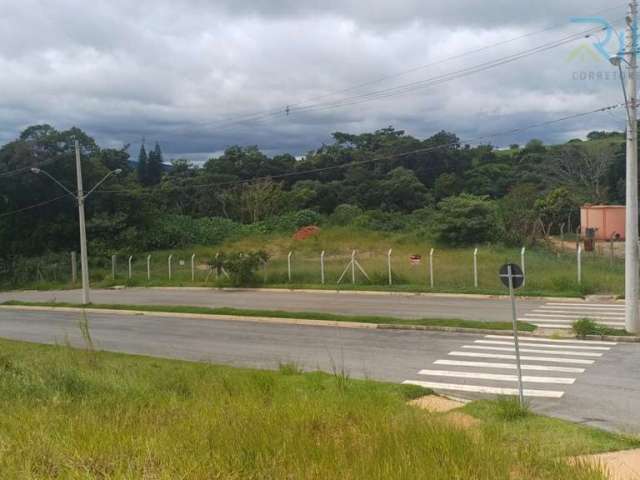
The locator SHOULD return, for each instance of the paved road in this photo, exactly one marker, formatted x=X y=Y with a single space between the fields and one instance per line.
x=402 y=306
x=600 y=388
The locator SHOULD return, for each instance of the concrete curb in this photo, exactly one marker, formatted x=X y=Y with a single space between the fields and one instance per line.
x=309 y=322
x=368 y=292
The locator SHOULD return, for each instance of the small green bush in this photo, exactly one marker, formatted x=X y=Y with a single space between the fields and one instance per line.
x=509 y=409
x=345 y=214
x=466 y=220
x=584 y=327
x=241 y=266
x=378 y=220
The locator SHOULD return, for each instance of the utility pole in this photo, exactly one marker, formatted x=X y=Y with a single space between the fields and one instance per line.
x=84 y=259
x=632 y=274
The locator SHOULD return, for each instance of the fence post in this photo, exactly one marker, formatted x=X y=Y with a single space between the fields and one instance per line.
x=523 y=253
x=130 y=269
x=169 y=261
x=113 y=266
x=562 y=238
x=74 y=268
x=193 y=267
x=353 y=267
x=431 y=267
x=389 y=266
x=148 y=267
x=322 y=267
x=579 y=257
x=475 y=268
x=289 y=265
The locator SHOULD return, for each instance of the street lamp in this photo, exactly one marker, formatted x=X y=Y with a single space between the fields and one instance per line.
x=80 y=197
x=632 y=274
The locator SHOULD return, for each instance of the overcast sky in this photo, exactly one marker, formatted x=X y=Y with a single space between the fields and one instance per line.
x=184 y=72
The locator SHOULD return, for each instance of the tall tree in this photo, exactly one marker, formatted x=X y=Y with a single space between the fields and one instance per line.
x=154 y=166
x=142 y=165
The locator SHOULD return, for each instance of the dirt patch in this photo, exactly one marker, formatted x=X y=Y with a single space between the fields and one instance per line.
x=619 y=465
x=435 y=404
x=306 y=232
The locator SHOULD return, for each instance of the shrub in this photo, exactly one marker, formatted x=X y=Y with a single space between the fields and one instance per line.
x=241 y=266
x=381 y=221
x=584 y=327
x=175 y=231
x=465 y=220
x=345 y=214
x=509 y=409
x=289 y=222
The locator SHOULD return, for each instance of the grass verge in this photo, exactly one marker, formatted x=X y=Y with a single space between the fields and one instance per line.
x=454 y=323
x=70 y=413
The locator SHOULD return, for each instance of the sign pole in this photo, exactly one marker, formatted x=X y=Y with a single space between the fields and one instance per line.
x=515 y=335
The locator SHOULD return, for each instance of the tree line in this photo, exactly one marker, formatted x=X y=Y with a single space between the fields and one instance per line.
x=458 y=193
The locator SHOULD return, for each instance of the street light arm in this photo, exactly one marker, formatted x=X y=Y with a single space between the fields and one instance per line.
x=106 y=177
x=37 y=171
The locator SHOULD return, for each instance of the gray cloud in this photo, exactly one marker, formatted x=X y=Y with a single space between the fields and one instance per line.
x=184 y=73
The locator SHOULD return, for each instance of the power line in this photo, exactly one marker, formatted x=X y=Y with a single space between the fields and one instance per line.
x=31 y=207
x=406 y=88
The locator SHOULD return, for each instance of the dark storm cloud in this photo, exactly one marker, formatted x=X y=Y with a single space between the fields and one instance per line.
x=184 y=72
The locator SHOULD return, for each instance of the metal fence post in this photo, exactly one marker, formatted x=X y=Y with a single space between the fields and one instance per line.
x=289 y=265
x=74 y=268
x=130 y=269
x=353 y=267
x=193 y=267
x=523 y=253
x=148 y=267
x=169 y=261
x=322 y=267
x=579 y=258
x=389 y=266
x=431 y=268
x=113 y=266
x=475 y=268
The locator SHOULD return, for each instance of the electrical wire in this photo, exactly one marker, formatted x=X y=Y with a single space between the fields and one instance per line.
x=31 y=207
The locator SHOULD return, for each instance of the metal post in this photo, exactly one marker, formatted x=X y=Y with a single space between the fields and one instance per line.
x=353 y=267
x=169 y=262
x=193 y=267
x=431 y=267
x=389 y=266
x=74 y=268
x=515 y=335
x=113 y=266
x=632 y=275
x=322 y=267
x=289 y=265
x=84 y=257
x=523 y=253
x=475 y=268
x=562 y=238
x=148 y=267
x=579 y=258
x=130 y=267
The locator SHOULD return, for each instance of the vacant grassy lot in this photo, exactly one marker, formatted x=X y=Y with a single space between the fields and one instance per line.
x=547 y=273
x=78 y=414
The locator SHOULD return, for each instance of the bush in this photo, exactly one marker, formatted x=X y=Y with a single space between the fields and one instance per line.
x=289 y=222
x=241 y=266
x=584 y=327
x=381 y=221
x=465 y=220
x=345 y=214
x=175 y=231
x=509 y=408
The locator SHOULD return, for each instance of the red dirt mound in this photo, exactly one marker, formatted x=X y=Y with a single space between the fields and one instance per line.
x=306 y=232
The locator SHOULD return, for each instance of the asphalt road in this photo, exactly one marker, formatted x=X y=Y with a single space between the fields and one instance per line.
x=606 y=394
x=402 y=306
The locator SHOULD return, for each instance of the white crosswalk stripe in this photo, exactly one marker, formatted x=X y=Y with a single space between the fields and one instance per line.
x=561 y=315
x=475 y=368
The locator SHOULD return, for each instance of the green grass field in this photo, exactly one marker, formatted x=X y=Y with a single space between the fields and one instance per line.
x=81 y=414
x=548 y=274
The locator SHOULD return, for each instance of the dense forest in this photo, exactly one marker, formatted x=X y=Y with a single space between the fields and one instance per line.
x=386 y=180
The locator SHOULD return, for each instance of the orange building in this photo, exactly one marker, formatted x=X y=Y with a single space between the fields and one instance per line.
x=607 y=221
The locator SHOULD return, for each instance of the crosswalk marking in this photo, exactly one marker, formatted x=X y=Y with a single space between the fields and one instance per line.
x=554 y=340
x=483 y=389
x=574 y=361
x=573 y=313
x=523 y=343
x=588 y=305
x=496 y=377
x=531 y=350
x=599 y=316
x=562 y=315
x=509 y=366
x=564 y=322
x=478 y=365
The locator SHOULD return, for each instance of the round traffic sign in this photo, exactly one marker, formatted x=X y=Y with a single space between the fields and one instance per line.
x=517 y=275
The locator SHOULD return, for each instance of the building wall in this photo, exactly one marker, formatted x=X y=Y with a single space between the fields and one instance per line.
x=608 y=220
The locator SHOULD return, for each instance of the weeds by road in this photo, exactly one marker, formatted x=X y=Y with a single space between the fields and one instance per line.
x=65 y=415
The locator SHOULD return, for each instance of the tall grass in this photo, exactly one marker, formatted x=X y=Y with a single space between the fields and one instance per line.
x=125 y=417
